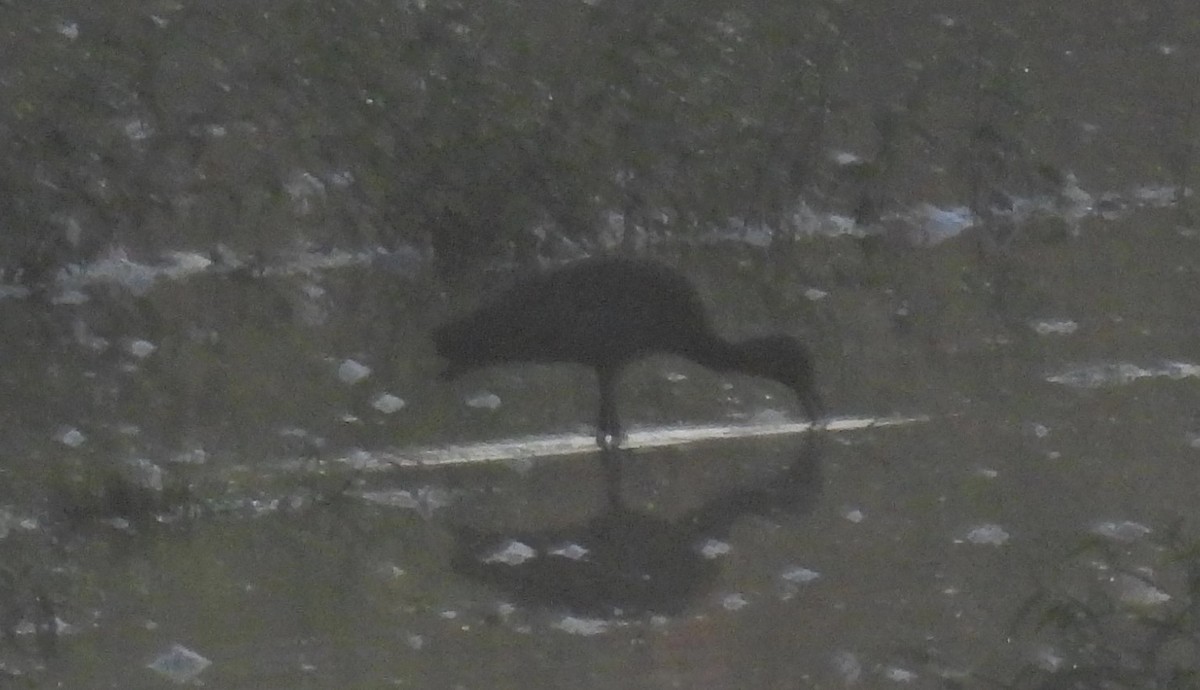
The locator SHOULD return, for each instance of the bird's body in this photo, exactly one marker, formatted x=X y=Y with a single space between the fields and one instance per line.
x=598 y=313
x=605 y=313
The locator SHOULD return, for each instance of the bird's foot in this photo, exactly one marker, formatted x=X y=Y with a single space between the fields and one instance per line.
x=610 y=440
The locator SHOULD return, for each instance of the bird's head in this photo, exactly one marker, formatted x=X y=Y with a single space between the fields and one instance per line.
x=782 y=358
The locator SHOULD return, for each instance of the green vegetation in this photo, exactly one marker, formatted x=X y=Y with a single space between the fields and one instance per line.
x=1118 y=615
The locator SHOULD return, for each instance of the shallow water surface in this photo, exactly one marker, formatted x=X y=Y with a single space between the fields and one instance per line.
x=227 y=458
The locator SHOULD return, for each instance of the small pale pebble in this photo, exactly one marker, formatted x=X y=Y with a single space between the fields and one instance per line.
x=388 y=403
x=138 y=129
x=714 y=548
x=575 y=552
x=848 y=667
x=484 y=400
x=69 y=29
x=142 y=348
x=179 y=664
x=845 y=158
x=900 y=675
x=582 y=626
x=512 y=552
x=191 y=456
x=1136 y=592
x=1048 y=659
x=993 y=535
x=1054 y=326
x=351 y=372
x=800 y=575
x=1122 y=530
x=734 y=602
x=70 y=297
x=72 y=437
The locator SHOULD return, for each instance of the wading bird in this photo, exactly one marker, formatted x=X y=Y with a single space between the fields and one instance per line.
x=605 y=313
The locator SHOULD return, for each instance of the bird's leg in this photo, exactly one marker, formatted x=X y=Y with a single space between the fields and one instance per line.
x=608 y=427
x=611 y=458
x=813 y=408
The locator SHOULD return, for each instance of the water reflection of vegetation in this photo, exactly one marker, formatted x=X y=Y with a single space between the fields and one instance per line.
x=496 y=127
x=26 y=609
x=128 y=496
x=1117 y=615
x=467 y=123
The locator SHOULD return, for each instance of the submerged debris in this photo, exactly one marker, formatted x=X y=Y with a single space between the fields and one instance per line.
x=933 y=225
x=1121 y=373
x=899 y=675
x=71 y=437
x=734 y=602
x=117 y=268
x=388 y=403
x=179 y=664
x=424 y=500
x=799 y=575
x=142 y=348
x=1054 y=326
x=484 y=400
x=1137 y=592
x=573 y=551
x=351 y=372
x=990 y=534
x=511 y=552
x=1124 y=531
x=191 y=456
x=848 y=667
x=582 y=626
x=714 y=548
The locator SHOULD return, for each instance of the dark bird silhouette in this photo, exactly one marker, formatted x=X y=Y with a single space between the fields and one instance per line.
x=605 y=313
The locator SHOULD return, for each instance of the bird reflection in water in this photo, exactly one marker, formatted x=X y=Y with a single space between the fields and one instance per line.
x=626 y=562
